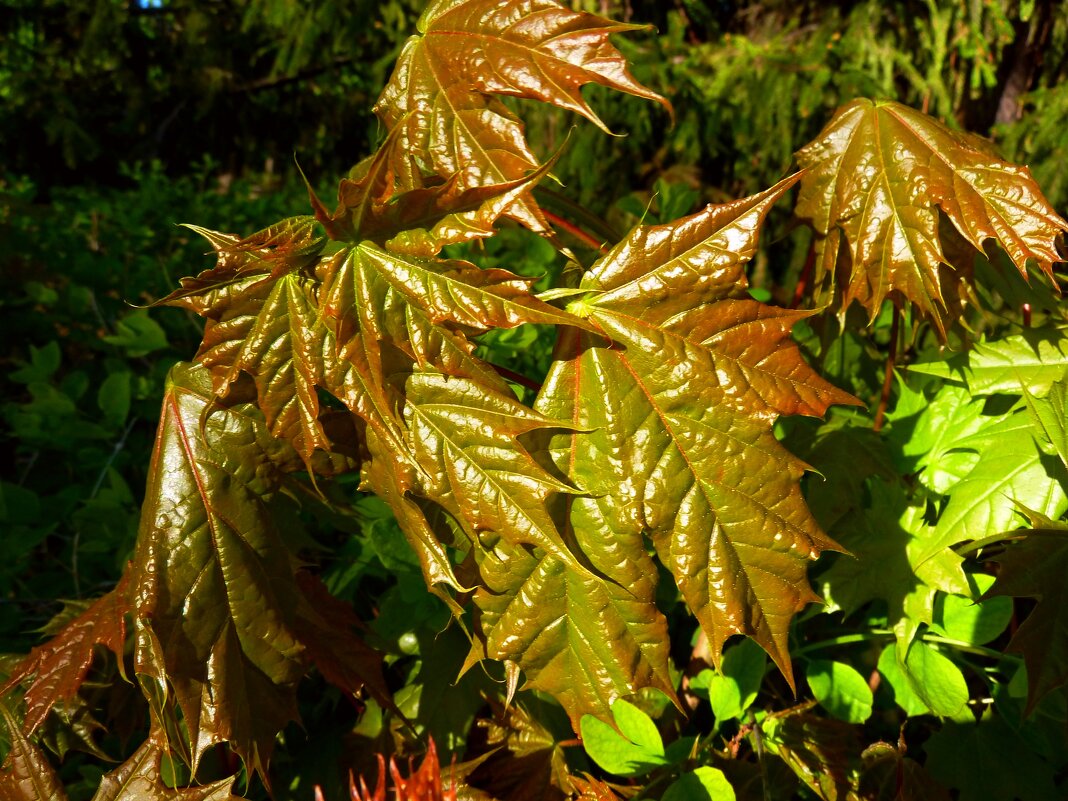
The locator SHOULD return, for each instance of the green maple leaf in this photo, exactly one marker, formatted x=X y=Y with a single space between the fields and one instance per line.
x=673 y=405
x=895 y=557
x=443 y=100
x=1035 y=358
x=1035 y=567
x=1050 y=415
x=213 y=589
x=927 y=429
x=876 y=179
x=1012 y=469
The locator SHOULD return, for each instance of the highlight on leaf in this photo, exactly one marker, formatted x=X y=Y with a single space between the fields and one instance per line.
x=876 y=180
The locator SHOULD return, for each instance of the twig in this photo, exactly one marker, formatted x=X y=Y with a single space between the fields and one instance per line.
x=888 y=380
x=575 y=231
x=517 y=378
x=805 y=277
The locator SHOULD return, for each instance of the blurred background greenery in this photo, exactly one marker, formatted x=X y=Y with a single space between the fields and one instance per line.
x=119 y=120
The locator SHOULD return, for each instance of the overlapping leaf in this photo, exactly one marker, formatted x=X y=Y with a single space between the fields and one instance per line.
x=140 y=778
x=1035 y=567
x=877 y=177
x=417 y=221
x=1036 y=357
x=679 y=413
x=59 y=667
x=26 y=774
x=262 y=319
x=443 y=99
x=212 y=581
x=896 y=557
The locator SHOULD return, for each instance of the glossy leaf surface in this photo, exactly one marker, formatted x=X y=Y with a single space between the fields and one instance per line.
x=212 y=580
x=60 y=666
x=140 y=778
x=26 y=774
x=877 y=178
x=680 y=411
x=444 y=97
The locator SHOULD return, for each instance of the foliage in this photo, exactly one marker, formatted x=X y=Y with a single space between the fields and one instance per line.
x=380 y=506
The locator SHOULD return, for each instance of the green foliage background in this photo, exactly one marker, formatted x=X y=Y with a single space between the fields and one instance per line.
x=119 y=121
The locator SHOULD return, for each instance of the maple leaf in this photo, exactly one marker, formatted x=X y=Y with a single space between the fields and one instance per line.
x=59 y=667
x=896 y=557
x=391 y=314
x=26 y=774
x=1035 y=567
x=1011 y=469
x=214 y=591
x=418 y=221
x=444 y=95
x=140 y=778
x=466 y=439
x=1036 y=357
x=878 y=175
x=675 y=421
x=262 y=319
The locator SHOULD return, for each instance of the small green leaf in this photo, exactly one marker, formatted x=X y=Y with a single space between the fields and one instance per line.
x=637 y=726
x=43 y=364
x=635 y=752
x=734 y=690
x=1039 y=356
x=704 y=784
x=840 y=689
x=138 y=334
x=927 y=683
x=961 y=618
x=113 y=397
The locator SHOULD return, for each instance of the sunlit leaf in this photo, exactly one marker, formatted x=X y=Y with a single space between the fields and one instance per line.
x=1037 y=358
x=896 y=557
x=877 y=178
x=445 y=92
x=679 y=413
x=212 y=579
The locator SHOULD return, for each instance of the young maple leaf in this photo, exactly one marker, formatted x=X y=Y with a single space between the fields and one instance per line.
x=674 y=406
x=212 y=581
x=424 y=784
x=59 y=667
x=877 y=176
x=262 y=319
x=443 y=96
x=26 y=774
x=140 y=778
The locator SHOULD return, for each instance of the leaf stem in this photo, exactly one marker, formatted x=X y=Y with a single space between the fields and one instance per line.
x=888 y=379
x=516 y=378
x=587 y=239
x=805 y=277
